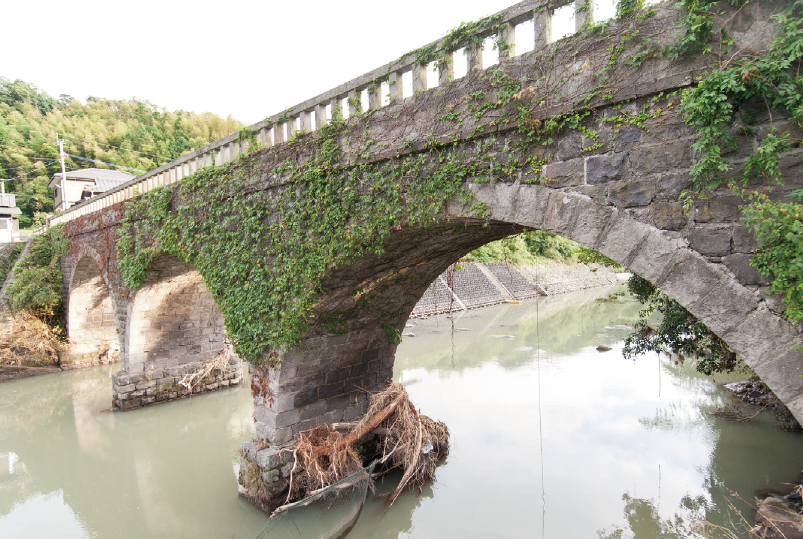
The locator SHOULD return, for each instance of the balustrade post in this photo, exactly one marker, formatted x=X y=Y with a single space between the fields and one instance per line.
x=355 y=107
x=395 y=85
x=320 y=115
x=446 y=68
x=337 y=107
x=583 y=14
x=543 y=27
x=419 y=78
x=278 y=133
x=375 y=96
x=507 y=42
x=306 y=121
x=474 y=56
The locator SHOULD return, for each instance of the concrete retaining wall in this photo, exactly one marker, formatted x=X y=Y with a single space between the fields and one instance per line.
x=477 y=285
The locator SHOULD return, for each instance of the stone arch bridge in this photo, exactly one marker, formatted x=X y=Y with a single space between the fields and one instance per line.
x=613 y=187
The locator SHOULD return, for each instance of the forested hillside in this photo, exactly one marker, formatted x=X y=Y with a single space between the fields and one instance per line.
x=134 y=134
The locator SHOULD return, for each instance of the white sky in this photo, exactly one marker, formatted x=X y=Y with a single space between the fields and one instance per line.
x=240 y=58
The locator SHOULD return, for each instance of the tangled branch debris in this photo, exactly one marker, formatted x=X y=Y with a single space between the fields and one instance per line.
x=410 y=441
x=218 y=363
x=31 y=342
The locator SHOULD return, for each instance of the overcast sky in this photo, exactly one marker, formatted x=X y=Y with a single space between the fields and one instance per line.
x=239 y=58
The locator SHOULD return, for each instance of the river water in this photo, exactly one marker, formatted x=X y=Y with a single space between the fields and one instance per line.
x=550 y=438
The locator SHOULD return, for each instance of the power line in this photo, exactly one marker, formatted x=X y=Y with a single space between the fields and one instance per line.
x=105 y=163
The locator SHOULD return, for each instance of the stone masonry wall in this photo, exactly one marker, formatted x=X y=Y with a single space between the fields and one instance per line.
x=130 y=391
x=174 y=320
x=91 y=324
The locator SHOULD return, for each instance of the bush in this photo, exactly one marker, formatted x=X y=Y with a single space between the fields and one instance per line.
x=679 y=332
x=38 y=279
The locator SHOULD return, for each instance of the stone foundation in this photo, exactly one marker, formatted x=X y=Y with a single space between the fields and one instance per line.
x=264 y=475
x=72 y=360
x=131 y=391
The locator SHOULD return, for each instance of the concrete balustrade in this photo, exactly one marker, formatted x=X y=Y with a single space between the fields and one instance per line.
x=312 y=114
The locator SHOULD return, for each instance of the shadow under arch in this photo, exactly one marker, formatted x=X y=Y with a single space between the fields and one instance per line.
x=172 y=319
x=91 y=321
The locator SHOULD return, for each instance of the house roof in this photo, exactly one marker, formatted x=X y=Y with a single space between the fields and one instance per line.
x=110 y=178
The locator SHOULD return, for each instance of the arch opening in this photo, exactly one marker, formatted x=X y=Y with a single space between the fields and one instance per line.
x=91 y=321
x=357 y=324
x=176 y=339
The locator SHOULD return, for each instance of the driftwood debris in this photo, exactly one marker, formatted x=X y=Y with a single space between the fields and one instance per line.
x=409 y=441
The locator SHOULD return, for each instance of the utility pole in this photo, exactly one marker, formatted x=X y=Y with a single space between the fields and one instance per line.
x=60 y=142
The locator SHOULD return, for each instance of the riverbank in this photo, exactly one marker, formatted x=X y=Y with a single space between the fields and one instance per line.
x=472 y=285
x=9 y=373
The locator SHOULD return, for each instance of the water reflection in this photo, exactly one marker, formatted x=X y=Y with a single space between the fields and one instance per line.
x=156 y=472
x=610 y=426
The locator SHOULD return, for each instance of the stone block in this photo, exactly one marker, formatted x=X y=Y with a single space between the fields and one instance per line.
x=604 y=168
x=531 y=205
x=690 y=279
x=592 y=219
x=668 y=215
x=339 y=402
x=710 y=241
x=746 y=274
x=308 y=368
x=338 y=375
x=270 y=458
x=146 y=385
x=306 y=397
x=661 y=157
x=761 y=336
x=271 y=476
x=312 y=410
x=654 y=255
x=289 y=418
x=718 y=208
x=560 y=214
x=358 y=370
x=314 y=381
x=796 y=407
x=127 y=388
x=565 y=173
x=623 y=236
x=569 y=147
x=631 y=193
x=743 y=240
x=783 y=375
x=330 y=390
x=725 y=307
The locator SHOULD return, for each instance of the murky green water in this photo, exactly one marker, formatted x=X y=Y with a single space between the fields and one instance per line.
x=550 y=439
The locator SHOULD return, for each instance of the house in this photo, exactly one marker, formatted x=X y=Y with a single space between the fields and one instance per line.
x=85 y=183
x=9 y=222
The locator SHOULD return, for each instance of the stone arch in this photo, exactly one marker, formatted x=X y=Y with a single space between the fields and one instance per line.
x=708 y=289
x=91 y=320
x=320 y=380
x=173 y=319
x=174 y=331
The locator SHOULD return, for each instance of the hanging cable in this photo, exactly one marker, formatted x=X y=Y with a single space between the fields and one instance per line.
x=540 y=422
x=104 y=163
